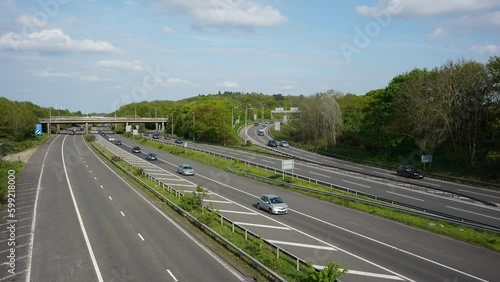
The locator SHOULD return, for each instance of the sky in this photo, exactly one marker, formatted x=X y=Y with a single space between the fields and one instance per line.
x=97 y=55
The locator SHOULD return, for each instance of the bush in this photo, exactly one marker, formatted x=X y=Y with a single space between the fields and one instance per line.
x=90 y=137
x=115 y=158
x=138 y=171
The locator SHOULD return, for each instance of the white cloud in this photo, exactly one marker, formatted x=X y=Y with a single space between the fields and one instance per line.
x=287 y=87
x=483 y=20
x=488 y=49
x=168 y=30
x=93 y=78
x=242 y=13
x=169 y=82
x=437 y=32
x=121 y=65
x=117 y=87
x=229 y=84
x=418 y=8
x=50 y=72
x=53 y=41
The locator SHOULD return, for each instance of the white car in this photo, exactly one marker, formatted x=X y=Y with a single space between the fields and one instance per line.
x=272 y=203
x=111 y=138
x=284 y=143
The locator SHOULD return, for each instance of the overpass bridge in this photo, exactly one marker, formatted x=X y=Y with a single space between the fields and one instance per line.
x=100 y=120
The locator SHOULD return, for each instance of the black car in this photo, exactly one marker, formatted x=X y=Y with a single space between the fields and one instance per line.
x=136 y=149
x=409 y=171
x=272 y=143
x=156 y=136
x=151 y=156
x=118 y=142
x=178 y=141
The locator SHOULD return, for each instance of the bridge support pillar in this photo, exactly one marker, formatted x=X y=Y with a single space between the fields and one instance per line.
x=48 y=129
x=58 y=128
x=86 y=128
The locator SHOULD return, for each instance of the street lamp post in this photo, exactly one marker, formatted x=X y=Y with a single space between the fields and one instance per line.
x=194 y=127
x=246 y=113
x=172 y=121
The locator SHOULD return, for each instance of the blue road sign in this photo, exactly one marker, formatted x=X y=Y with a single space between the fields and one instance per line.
x=38 y=129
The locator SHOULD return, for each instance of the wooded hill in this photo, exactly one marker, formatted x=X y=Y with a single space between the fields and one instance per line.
x=451 y=111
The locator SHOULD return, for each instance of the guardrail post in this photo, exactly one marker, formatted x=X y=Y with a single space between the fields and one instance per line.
x=246 y=234
x=277 y=252
x=233 y=227
x=221 y=220
x=298 y=264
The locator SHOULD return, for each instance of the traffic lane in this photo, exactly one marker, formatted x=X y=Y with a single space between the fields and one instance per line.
x=407 y=239
x=173 y=247
x=260 y=224
x=479 y=213
x=402 y=239
x=59 y=249
x=479 y=193
x=461 y=208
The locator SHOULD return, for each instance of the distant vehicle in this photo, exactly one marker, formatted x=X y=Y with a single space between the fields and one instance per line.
x=260 y=133
x=409 y=171
x=72 y=132
x=156 y=136
x=271 y=122
x=256 y=124
x=185 y=169
x=265 y=123
x=151 y=157
x=178 y=141
x=146 y=135
x=272 y=143
x=111 y=138
x=118 y=142
x=272 y=203
x=284 y=143
x=167 y=137
x=136 y=149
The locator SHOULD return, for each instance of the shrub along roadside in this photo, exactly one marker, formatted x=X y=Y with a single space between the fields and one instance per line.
x=485 y=239
x=193 y=203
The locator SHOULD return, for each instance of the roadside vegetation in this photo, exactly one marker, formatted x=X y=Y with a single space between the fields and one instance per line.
x=485 y=239
x=193 y=204
x=5 y=166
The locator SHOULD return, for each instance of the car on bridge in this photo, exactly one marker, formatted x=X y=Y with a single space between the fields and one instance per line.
x=409 y=171
x=272 y=204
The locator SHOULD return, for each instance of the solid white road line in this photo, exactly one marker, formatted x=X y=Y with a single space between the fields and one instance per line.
x=404 y=196
x=364 y=273
x=217 y=201
x=122 y=213
x=102 y=187
x=262 y=225
x=173 y=277
x=354 y=183
x=496 y=218
x=301 y=245
x=142 y=238
x=110 y=198
x=239 y=212
x=85 y=236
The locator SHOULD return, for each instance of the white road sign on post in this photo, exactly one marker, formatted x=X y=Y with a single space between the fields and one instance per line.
x=286 y=165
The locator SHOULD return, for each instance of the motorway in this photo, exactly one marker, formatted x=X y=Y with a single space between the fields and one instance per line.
x=477 y=212
x=92 y=226
x=372 y=248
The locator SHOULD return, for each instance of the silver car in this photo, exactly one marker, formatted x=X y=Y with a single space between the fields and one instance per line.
x=185 y=169
x=272 y=203
x=284 y=143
